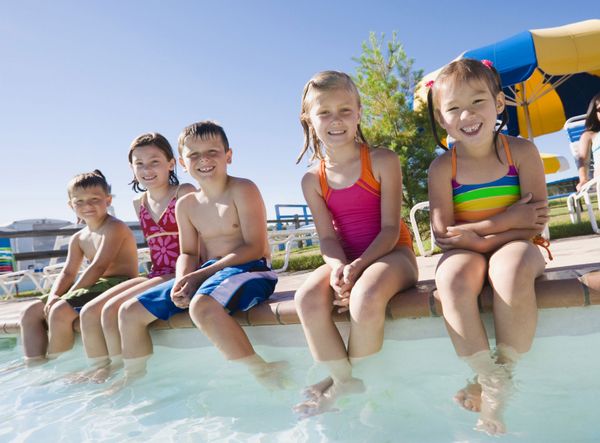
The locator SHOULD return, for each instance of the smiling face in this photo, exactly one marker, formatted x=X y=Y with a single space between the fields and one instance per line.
x=335 y=115
x=468 y=110
x=151 y=167
x=90 y=204
x=205 y=158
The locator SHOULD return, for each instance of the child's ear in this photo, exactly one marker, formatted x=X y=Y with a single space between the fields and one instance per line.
x=229 y=156
x=108 y=200
x=172 y=164
x=500 y=102
x=182 y=163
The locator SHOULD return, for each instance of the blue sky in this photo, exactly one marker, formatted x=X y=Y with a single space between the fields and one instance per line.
x=79 y=80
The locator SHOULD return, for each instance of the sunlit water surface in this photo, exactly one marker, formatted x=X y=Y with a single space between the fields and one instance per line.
x=193 y=395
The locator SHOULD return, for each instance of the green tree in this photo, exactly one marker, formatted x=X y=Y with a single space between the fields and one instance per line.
x=386 y=80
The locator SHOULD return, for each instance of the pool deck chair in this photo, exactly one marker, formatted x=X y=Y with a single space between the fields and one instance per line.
x=289 y=237
x=574 y=128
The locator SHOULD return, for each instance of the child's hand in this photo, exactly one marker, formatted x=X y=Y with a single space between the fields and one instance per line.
x=336 y=279
x=459 y=238
x=52 y=299
x=526 y=215
x=351 y=272
x=184 y=289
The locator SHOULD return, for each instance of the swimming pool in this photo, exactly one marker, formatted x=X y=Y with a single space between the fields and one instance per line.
x=193 y=395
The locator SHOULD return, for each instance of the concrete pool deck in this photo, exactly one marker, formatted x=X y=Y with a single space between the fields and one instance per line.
x=569 y=281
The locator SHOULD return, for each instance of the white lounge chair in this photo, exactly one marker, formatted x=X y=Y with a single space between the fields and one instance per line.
x=288 y=238
x=574 y=128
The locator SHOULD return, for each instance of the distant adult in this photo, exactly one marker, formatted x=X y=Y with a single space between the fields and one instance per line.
x=590 y=143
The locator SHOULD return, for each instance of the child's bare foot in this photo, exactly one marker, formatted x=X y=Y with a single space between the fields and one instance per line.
x=469 y=397
x=326 y=401
x=316 y=390
x=495 y=391
x=272 y=375
x=102 y=374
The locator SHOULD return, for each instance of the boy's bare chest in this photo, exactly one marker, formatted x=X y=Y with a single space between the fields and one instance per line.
x=217 y=220
x=90 y=244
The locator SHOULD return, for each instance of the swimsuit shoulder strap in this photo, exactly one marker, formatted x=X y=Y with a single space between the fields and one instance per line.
x=323 y=181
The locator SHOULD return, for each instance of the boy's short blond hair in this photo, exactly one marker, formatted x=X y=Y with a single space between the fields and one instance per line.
x=202 y=130
x=87 y=180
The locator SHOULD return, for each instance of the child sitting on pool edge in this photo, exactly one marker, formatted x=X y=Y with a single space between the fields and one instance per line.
x=107 y=243
x=223 y=263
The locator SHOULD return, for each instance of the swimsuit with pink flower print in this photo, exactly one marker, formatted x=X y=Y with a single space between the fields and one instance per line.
x=162 y=238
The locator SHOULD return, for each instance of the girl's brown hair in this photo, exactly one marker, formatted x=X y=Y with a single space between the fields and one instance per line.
x=158 y=140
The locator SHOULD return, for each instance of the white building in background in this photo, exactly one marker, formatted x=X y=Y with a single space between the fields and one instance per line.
x=28 y=244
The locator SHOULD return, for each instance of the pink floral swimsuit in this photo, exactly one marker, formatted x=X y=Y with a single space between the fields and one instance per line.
x=162 y=238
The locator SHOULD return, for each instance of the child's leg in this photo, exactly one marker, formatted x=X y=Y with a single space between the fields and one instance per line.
x=33 y=331
x=90 y=318
x=370 y=295
x=134 y=319
x=110 y=312
x=512 y=273
x=314 y=304
x=60 y=328
x=459 y=279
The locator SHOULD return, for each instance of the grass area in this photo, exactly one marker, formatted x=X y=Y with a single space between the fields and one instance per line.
x=560 y=227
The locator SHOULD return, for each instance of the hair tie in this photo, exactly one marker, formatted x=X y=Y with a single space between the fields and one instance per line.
x=429 y=84
x=487 y=63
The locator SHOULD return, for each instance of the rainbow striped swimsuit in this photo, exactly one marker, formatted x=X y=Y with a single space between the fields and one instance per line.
x=484 y=200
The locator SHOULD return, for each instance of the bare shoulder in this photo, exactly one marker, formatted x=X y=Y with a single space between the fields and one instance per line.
x=186 y=201
x=521 y=149
x=185 y=188
x=114 y=226
x=441 y=165
x=239 y=185
x=382 y=155
x=311 y=177
x=137 y=202
x=587 y=137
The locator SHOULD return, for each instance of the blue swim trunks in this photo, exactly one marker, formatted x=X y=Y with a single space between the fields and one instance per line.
x=236 y=288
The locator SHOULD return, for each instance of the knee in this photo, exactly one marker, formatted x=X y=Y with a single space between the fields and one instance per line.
x=311 y=303
x=127 y=314
x=61 y=313
x=367 y=305
x=90 y=315
x=461 y=287
x=203 y=309
x=34 y=313
x=109 y=317
x=507 y=275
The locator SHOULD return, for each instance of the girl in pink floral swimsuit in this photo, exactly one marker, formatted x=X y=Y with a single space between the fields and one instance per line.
x=153 y=163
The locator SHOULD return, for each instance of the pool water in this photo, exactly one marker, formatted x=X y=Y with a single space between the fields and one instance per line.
x=193 y=395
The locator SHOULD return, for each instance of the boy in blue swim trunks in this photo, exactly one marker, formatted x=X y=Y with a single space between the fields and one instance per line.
x=223 y=263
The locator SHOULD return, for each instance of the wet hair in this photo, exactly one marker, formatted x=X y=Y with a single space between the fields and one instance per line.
x=88 y=180
x=592 y=122
x=152 y=139
x=466 y=70
x=203 y=130
x=323 y=81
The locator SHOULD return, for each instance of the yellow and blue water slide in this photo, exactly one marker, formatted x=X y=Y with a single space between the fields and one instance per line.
x=548 y=75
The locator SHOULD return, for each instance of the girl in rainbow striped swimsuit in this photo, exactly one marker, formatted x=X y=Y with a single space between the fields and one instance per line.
x=488 y=200
x=354 y=193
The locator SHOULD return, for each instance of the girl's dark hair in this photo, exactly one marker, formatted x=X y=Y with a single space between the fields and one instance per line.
x=592 y=122
x=466 y=70
x=323 y=81
x=158 y=140
x=87 y=180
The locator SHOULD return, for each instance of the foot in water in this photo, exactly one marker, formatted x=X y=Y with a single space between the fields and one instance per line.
x=313 y=391
x=495 y=391
x=272 y=375
x=327 y=399
x=469 y=397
